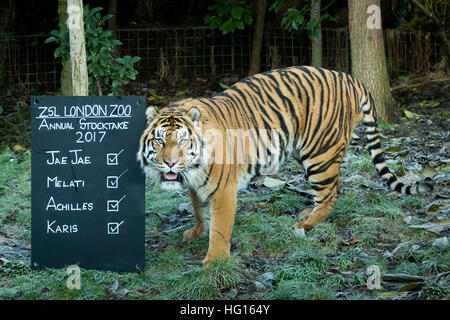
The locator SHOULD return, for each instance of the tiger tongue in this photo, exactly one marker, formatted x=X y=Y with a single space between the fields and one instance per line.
x=170 y=175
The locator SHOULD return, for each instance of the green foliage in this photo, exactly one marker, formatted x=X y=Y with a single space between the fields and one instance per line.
x=295 y=19
x=104 y=71
x=229 y=15
x=322 y=265
x=15 y=188
x=209 y=281
x=295 y=290
x=224 y=86
x=277 y=5
x=437 y=8
x=62 y=38
x=14 y=126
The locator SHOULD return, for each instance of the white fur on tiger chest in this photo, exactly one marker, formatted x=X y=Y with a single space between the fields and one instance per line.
x=244 y=179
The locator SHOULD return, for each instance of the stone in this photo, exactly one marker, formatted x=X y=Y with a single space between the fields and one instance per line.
x=186 y=208
x=300 y=233
x=265 y=277
x=441 y=243
x=273 y=183
x=259 y=286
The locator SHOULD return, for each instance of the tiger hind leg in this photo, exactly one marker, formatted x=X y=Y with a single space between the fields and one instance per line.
x=326 y=186
x=319 y=214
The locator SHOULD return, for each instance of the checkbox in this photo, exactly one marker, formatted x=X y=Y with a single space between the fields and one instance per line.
x=113 y=227
x=112 y=182
x=112 y=159
x=112 y=206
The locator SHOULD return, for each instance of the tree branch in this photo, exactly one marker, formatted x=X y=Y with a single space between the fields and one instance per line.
x=428 y=13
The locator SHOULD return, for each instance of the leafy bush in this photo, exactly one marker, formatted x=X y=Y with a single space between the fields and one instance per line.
x=294 y=19
x=229 y=15
x=104 y=71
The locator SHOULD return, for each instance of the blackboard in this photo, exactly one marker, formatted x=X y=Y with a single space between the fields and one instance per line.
x=87 y=188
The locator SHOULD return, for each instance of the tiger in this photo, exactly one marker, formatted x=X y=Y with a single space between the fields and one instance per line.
x=313 y=111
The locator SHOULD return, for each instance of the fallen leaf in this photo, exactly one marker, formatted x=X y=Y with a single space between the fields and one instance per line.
x=201 y=80
x=429 y=172
x=19 y=148
x=112 y=289
x=263 y=205
x=224 y=86
x=411 y=115
x=113 y=292
x=435 y=227
x=392 y=294
x=273 y=183
x=349 y=242
x=393 y=149
x=401 y=277
x=3 y=261
x=431 y=207
x=411 y=286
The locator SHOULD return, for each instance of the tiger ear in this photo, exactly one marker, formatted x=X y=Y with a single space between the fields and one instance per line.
x=194 y=114
x=150 y=113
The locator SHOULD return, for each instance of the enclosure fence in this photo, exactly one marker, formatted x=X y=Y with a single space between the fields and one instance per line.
x=199 y=51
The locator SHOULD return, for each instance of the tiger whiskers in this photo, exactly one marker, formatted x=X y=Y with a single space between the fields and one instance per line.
x=194 y=176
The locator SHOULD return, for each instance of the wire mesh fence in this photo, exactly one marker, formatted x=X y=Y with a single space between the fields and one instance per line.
x=28 y=61
x=199 y=51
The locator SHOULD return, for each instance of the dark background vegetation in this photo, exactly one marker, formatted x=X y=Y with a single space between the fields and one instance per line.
x=27 y=65
x=25 y=17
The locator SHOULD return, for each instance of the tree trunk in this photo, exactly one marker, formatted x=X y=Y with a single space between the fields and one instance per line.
x=75 y=23
x=7 y=15
x=368 y=55
x=446 y=49
x=316 y=43
x=112 y=24
x=255 y=61
x=66 y=72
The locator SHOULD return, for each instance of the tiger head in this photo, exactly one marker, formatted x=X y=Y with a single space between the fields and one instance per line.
x=170 y=149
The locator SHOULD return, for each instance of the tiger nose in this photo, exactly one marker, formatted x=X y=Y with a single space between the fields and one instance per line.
x=170 y=163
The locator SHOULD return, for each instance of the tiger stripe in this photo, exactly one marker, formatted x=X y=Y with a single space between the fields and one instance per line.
x=314 y=112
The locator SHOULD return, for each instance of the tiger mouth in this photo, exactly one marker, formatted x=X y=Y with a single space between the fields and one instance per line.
x=171 y=176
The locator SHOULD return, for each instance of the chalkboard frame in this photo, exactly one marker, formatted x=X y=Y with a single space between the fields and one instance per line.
x=119 y=211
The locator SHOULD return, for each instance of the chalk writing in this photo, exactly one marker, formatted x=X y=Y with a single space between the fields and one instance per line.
x=85 y=173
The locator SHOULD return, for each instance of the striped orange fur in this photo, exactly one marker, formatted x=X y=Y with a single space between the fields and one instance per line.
x=313 y=111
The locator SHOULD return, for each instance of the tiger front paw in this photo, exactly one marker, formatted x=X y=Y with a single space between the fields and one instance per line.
x=301 y=225
x=192 y=233
x=210 y=257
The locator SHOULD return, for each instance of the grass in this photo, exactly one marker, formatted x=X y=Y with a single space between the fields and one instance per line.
x=14 y=125
x=319 y=266
x=15 y=190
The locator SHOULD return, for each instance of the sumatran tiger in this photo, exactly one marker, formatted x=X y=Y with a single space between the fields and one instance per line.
x=214 y=146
